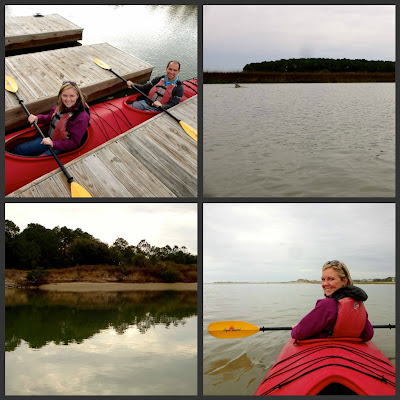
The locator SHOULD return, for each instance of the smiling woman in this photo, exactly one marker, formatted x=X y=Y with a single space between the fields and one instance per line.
x=68 y=121
x=341 y=313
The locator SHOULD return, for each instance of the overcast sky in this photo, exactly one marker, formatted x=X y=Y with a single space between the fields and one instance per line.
x=159 y=224
x=236 y=35
x=284 y=242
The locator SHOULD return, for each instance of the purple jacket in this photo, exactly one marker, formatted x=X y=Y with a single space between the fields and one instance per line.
x=320 y=321
x=76 y=129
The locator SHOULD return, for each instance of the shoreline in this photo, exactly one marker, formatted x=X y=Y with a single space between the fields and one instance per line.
x=116 y=287
x=243 y=77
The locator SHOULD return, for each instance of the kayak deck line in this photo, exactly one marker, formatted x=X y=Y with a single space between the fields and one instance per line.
x=33 y=31
x=39 y=76
x=154 y=159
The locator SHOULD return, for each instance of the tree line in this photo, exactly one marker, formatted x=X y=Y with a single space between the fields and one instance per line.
x=321 y=65
x=39 y=247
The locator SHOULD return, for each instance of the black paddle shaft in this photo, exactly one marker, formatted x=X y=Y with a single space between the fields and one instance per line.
x=68 y=176
x=390 y=326
x=275 y=328
x=288 y=328
x=147 y=97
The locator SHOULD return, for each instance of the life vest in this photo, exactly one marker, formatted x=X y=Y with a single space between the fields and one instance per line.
x=351 y=318
x=58 y=125
x=161 y=92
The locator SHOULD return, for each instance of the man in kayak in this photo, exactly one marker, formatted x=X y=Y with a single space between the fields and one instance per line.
x=341 y=313
x=68 y=120
x=164 y=90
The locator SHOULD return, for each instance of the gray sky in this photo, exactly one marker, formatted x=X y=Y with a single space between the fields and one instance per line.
x=240 y=34
x=160 y=224
x=275 y=242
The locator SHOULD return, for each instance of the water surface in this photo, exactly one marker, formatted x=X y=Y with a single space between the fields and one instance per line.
x=153 y=33
x=299 y=140
x=237 y=366
x=100 y=343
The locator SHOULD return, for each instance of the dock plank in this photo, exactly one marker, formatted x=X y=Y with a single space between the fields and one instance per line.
x=122 y=164
x=29 y=31
x=101 y=181
x=29 y=75
x=154 y=159
x=167 y=147
x=39 y=77
x=166 y=169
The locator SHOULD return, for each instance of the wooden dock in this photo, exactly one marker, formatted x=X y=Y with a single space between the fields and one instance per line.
x=40 y=75
x=31 y=31
x=154 y=159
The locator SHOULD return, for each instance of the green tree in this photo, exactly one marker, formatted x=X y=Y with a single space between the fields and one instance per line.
x=84 y=251
x=11 y=234
x=27 y=254
x=47 y=243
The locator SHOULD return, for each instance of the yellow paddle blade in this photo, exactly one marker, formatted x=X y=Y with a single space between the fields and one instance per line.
x=101 y=64
x=189 y=130
x=231 y=329
x=79 y=191
x=11 y=85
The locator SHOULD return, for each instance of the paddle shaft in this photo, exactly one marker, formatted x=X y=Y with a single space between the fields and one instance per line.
x=147 y=97
x=288 y=328
x=60 y=164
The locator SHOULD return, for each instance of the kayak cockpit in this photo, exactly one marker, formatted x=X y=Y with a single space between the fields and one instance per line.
x=30 y=134
x=336 y=389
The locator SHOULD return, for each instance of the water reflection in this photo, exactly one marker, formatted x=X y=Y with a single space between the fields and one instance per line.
x=39 y=318
x=154 y=33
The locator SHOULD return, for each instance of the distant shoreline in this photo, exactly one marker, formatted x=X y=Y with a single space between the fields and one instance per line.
x=215 y=77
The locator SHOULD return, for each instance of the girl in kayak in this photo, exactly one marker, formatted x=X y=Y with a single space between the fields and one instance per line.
x=68 y=120
x=341 y=313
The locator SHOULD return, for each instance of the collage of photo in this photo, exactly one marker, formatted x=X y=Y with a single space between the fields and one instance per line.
x=200 y=200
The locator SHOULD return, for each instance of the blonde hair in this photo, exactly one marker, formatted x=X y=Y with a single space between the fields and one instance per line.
x=341 y=270
x=80 y=101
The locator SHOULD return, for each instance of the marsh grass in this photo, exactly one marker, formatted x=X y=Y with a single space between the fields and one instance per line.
x=296 y=77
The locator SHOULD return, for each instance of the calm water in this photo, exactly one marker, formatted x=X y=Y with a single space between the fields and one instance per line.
x=237 y=366
x=153 y=33
x=100 y=343
x=295 y=140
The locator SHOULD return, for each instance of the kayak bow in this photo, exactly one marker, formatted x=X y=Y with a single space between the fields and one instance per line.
x=329 y=366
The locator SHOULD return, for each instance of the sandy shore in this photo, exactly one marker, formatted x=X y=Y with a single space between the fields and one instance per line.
x=115 y=287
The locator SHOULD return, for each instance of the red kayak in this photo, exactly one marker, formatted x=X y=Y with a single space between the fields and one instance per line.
x=329 y=366
x=107 y=120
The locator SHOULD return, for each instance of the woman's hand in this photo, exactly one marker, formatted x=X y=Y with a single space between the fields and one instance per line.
x=33 y=118
x=47 y=141
x=294 y=326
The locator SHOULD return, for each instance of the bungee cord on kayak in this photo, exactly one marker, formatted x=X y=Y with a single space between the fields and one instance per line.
x=317 y=349
x=115 y=115
x=317 y=360
x=190 y=86
x=293 y=378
